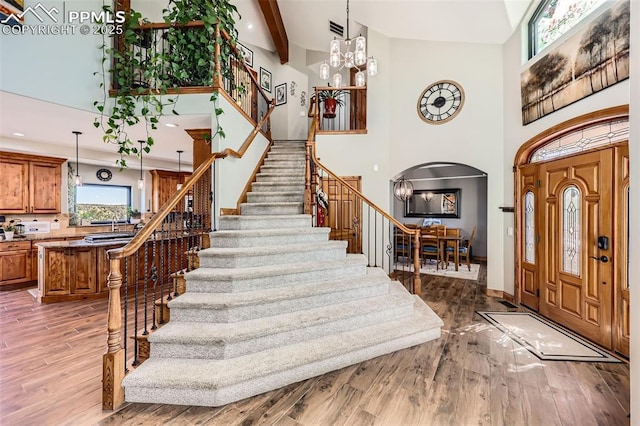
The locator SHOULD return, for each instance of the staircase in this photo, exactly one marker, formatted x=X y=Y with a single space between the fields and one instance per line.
x=274 y=302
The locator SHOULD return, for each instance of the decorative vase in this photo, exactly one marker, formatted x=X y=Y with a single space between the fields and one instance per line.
x=330 y=105
x=8 y=235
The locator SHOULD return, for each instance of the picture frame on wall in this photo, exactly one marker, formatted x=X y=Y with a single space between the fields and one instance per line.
x=247 y=54
x=281 y=94
x=265 y=79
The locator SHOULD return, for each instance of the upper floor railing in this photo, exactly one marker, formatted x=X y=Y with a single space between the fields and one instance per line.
x=342 y=110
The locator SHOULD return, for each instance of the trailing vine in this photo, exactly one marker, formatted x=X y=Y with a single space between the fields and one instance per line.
x=142 y=77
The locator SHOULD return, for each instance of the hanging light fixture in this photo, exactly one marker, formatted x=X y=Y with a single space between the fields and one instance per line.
x=402 y=189
x=349 y=59
x=77 y=181
x=179 y=186
x=141 y=180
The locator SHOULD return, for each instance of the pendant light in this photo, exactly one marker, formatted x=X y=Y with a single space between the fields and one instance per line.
x=179 y=186
x=402 y=189
x=77 y=181
x=141 y=180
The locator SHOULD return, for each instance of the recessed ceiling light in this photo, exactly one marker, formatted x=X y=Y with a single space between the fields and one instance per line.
x=18 y=134
x=249 y=26
x=171 y=125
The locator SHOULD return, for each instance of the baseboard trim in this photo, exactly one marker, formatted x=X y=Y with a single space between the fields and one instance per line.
x=500 y=295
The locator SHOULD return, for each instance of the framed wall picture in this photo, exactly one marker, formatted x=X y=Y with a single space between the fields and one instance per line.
x=281 y=94
x=246 y=53
x=265 y=79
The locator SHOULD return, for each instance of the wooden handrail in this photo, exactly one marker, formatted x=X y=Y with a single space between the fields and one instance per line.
x=250 y=138
x=225 y=35
x=143 y=235
x=311 y=156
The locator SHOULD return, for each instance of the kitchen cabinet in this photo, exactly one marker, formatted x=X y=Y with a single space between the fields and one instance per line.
x=15 y=262
x=164 y=184
x=66 y=271
x=31 y=184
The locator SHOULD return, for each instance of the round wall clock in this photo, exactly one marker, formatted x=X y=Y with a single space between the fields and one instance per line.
x=440 y=102
x=104 y=175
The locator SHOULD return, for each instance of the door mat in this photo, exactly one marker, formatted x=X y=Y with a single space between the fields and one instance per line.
x=544 y=339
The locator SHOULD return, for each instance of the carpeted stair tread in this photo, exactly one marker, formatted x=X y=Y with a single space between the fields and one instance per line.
x=204 y=334
x=262 y=237
x=269 y=250
x=161 y=380
x=265 y=221
x=190 y=300
x=270 y=276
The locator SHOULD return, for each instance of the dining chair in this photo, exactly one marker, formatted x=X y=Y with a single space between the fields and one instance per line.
x=429 y=243
x=450 y=245
x=464 y=252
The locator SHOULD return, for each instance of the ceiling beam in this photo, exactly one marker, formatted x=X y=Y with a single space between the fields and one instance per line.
x=272 y=17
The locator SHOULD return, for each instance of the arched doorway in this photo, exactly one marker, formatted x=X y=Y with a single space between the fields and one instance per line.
x=472 y=185
x=572 y=186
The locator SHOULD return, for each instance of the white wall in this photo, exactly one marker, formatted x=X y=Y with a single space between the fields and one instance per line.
x=473 y=138
x=286 y=121
x=54 y=68
x=232 y=174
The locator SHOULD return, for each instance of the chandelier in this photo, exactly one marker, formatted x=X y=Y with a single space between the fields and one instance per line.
x=349 y=59
x=402 y=189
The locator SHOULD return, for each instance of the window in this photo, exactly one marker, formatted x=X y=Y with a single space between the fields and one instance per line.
x=584 y=139
x=553 y=18
x=571 y=230
x=103 y=203
x=529 y=227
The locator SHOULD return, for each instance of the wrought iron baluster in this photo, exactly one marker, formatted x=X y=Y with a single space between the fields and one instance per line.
x=146 y=284
x=154 y=279
x=136 y=361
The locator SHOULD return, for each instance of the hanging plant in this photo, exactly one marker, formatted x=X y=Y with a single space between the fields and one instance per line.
x=142 y=77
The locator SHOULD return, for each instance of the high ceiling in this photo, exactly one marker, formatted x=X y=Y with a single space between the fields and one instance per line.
x=306 y=22
x=471 y=21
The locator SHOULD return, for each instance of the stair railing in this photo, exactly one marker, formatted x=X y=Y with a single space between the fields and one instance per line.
x=368 y=229
x=149 y=271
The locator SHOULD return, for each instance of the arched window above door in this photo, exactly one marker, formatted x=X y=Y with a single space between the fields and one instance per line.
x=553 y=18
x=584 y=139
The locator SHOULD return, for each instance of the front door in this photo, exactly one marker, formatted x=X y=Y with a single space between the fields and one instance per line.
x=344 y=211
x=576 y=228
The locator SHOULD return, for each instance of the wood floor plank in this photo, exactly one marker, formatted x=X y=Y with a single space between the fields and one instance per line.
x=475 y=391
x=50 y=373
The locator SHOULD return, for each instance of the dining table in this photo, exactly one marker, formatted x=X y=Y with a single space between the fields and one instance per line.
x=442 y=241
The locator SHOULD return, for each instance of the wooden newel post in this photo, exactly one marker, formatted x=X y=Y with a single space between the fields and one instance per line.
x=217 y=76
x=113 y=361
x=307 y=180
x=417 y=283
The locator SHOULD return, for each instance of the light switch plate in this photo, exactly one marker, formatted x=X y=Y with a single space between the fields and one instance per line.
x=55 y=225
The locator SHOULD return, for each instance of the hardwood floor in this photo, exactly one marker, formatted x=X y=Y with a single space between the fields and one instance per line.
x=50 y=373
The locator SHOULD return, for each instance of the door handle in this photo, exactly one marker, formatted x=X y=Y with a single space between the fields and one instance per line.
x=603 y=258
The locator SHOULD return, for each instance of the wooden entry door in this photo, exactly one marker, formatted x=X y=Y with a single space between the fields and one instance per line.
x=621 y=257
x=576 y=276
x=344 y=213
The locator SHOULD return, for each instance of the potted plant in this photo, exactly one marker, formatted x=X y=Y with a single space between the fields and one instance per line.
x=134 y=215
x=331 y=98
x=8 y=231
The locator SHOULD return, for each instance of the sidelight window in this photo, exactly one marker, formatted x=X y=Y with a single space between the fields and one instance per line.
x=529 y=228
x=571 y=230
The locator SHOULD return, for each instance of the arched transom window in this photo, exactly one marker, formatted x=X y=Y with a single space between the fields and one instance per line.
x=554 y=18
x=584 y=139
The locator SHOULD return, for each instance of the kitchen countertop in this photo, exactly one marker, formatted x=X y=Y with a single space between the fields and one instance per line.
x=83 y=243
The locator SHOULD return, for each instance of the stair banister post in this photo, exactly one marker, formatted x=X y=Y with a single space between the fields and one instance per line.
x=113 y=361
x=217 y=77
x=417 y=283
x=307 y=179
